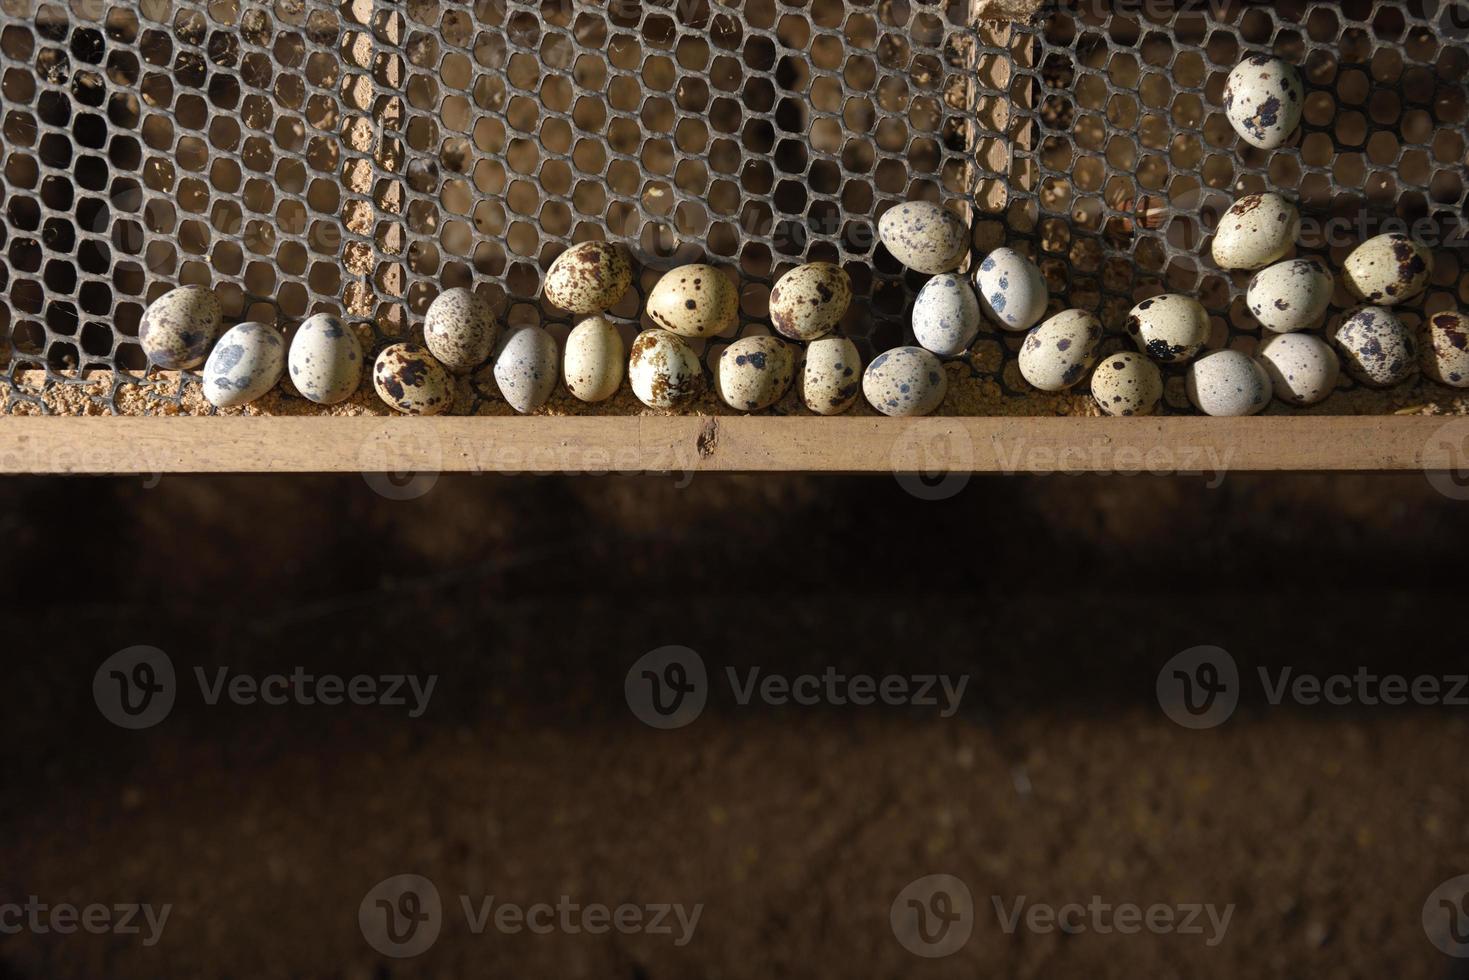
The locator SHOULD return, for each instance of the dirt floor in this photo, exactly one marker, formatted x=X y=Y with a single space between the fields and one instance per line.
x=795 y=828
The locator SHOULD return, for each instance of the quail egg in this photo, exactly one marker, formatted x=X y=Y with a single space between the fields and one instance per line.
x=179 y=327
x=832 y=376
x=407 y=377
x=1264 y=99
x=1169 y=328
x=924 y=236
x=459 y=330
x=755 y=372
x=1376 y=347
x=1303 y=368
x=694 y=301
x=1388 y=270
x=1259 y=230
x=1446 y=358
x=1058 y=353
x=905 y=382
x=588 y=278
x=245 y=364
x=325 y=360
x=664 y=370
x=946 y=315
x=1292 y=295
x=594 y=360
x=1127 y=384
x=1012 y=290
x=810 y=300
x=526 y=366
x=1228 y=384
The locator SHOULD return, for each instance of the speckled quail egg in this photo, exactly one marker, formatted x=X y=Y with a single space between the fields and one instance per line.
x=1388 y=270
x=810 y=300
x=924 y=236
x=1303 y=368
x=1012 y=290
x=1058 y=353
x=245 y=364
x=1376 y=347
x=410 y=380
x=179 y=327
x=905 y=382
x=1446 y=356
x=755 y=372
x=694 y=301
x=831 y=378
x=946 y=315
x=1228 y=384
x=588 y=278
x=594 y=360
x=1169 y=328
x=527 y=365
x=1292 y=295
x=1257 y=231
x=1127 y=384
x=325 y=360
x=664 y=370
x=459 y=330
x=1264 y=99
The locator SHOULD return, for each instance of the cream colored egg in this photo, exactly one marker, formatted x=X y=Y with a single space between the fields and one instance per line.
x=459 y=330
x=1264 y=99
x=1376 y=347
x=664 y=370
x=1228 y=384
x=246 y=363
x=1446 y=355
x=946 y=316
x=1303 y=368
x=755 y=373
x=1388 y=270
x=1292 y=295
x=1127 y=384
x=924 y=236
x=810 y=300
x=526 y=366
x=831 y=378
x=179 y=327
x=1012 y=290
x=588 y=278
x=1259 y=230
x=325 y=360
x=1170 y=328
x=905 y=382
x=411 y=381
x=1058 y=353
x=694 y=301
x=594 y=360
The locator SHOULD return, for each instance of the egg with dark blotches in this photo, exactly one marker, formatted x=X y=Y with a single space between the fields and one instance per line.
x=924 y=236
x=1228 y=384
x=1012 y=290
x=459 y=330
x=809 y=301
x=831 y=378
x=1303 y=368
x=1292 y=295
x=179 y=327
x=694 y=301
x=755 y=373
x=588 y=278
x=905 y=382
x=245 y=364
x=1376 y=347
x=1058 y=353
x=1446 y=355
x=663 y=370
x=409 y=379
x=1264 y=99
x=325 y=360
x=946 y=316
x=594 y=359
x=1169 y=328
x=1127 y=384
x=1259 y=230
x=526 y=367
x=1388 y=270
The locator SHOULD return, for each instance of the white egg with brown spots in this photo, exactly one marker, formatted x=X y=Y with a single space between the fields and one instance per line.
x=924 y=236
x=1058 y=353
x=1012 y=290
x=325 y=360
x=588 y=278
x=809 y=301
x=594 y=360
x=1228 y=384
x=1303 y=368
x=246 y=363
x=1264 y=99
x=831 y=378
x=755 y=373
x=1257 y=231
x=459 y=330
x=664 y=371
x=1376 y=347
x=1169 y=328
x=905 y=382
x=1446 y=355
x=1127 y=384
x=1292 y=296
x=946 y=315
x=179 y=327
x=1388 y=270
x=410 y=380
x=526 y=367
x=694 y=301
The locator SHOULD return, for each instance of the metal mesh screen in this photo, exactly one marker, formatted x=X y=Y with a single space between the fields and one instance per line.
x=357 y=157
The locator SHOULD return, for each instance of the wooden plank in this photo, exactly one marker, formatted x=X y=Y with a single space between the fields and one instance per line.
x=540 y=444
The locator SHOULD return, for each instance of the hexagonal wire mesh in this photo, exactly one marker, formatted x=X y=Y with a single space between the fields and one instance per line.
x=358 y=157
